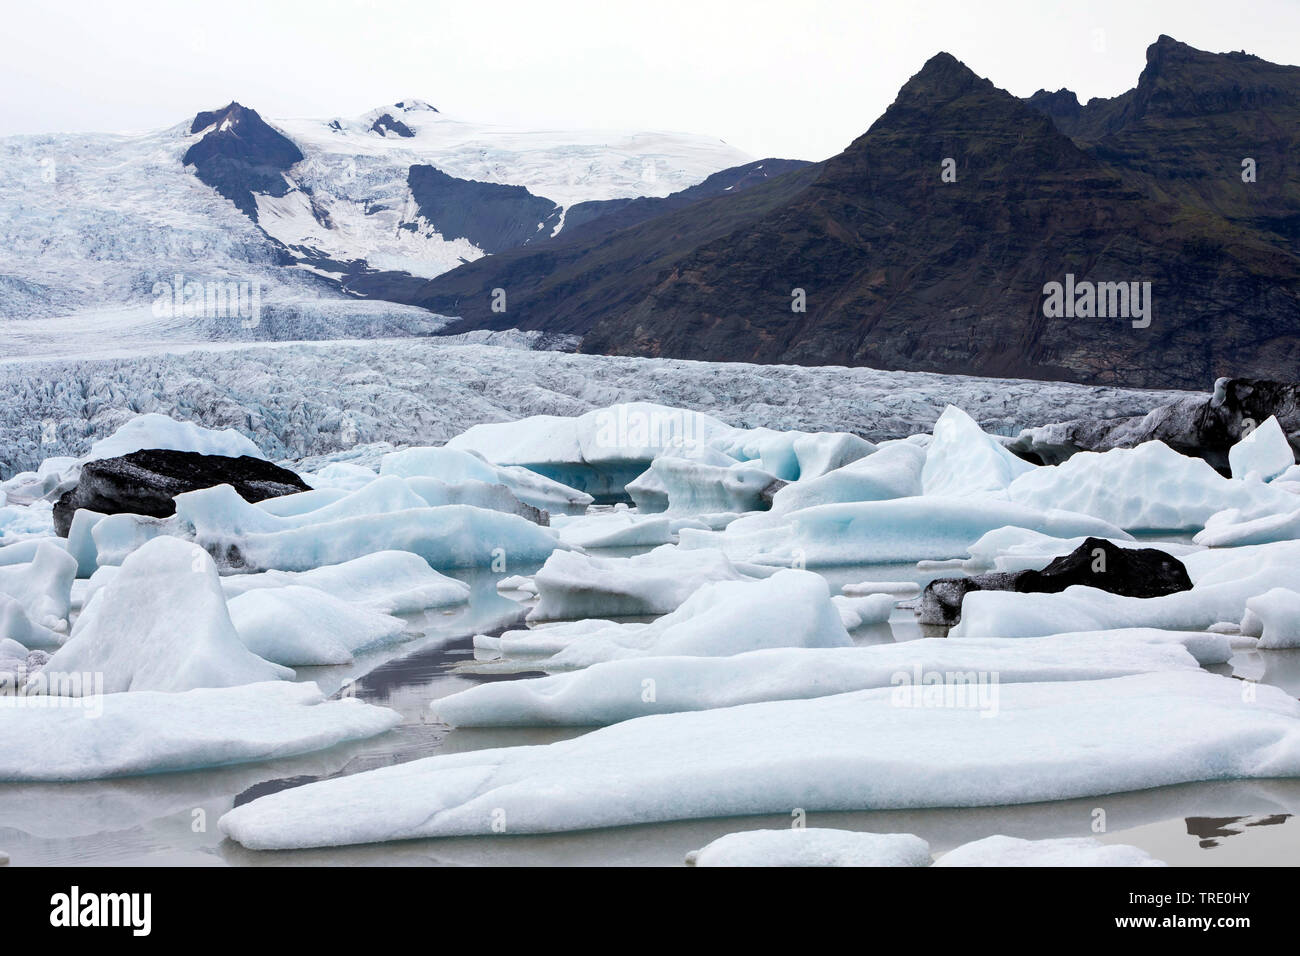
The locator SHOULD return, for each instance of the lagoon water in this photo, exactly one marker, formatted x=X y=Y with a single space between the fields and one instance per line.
x=170 y=819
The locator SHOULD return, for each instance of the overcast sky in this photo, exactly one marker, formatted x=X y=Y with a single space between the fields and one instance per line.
x=797 y=79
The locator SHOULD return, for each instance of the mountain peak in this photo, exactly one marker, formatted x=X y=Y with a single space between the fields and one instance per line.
x=943 y=77
x=414 y=106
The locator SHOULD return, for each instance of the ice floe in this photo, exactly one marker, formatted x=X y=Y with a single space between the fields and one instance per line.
x=161 y=623
x=963 y=460
x=573 y=585
x=616 y=690
x=1067 y=851
x=879 y=532
x=147 y=732
x=43 y=585
x=813 y=846
x=1147 y=488
x=1264 y=453
x=789 y=609
x=159 y=431
x=387 y=582
x=846 y=752
x=1278 y=613
x=303 y=626
x=452 y=466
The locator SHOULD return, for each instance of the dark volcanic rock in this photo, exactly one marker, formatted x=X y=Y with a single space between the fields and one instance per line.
x=241 y=155
x=145 y=482
x=492 y=216
x=1097 y=563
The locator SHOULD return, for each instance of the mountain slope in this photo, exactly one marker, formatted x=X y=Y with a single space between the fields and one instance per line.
x=902 y=269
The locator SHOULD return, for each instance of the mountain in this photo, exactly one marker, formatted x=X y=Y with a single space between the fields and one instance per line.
x=902 y=268
x=93 y=224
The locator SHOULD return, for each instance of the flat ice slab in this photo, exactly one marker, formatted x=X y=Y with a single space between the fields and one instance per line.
x=847 y=752
x=1070 y=851
x=618 y=690
x=116 y=735
x=813 y=846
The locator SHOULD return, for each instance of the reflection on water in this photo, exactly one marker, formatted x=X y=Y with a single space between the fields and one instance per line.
x=1210 y=830
x=170 y=819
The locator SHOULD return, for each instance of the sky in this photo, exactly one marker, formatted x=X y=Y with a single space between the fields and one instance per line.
x=798 y=79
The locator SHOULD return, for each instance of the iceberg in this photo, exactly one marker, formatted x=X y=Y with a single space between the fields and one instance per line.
x=161 y=623
x=599 y=451
x=963 y=460
x=882 y=532
x=451 y=536
x=691 y=486
x=572 y=585
x=1214 y=598
x=1068 y=851
x=893 y=470
x=144 y=732
x=1278 y=614
x=159 y=431
x=302 y=626
x=854 y=751
x=616 y=690
x=1228 y=529
x=861 y=610
x=386 y=582
x=789 y=609
x=622 y=529
x=1147 y=488
x=452 y=466
x=15 y=625
x=42 y=586
x=813 y=846
x=1264 y=453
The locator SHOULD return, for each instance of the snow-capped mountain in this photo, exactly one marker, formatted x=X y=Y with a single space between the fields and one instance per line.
x=109 y=223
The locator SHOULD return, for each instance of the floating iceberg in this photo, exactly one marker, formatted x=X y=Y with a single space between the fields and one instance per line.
x=1264 y=453
x=881 y=532
x=15 y=625
x=1020 y=549
x=617 y=690
x=789 y=609
x=1278 y=613
x=861 y=610
x=598 y=452
x=963 y=460
x=147 y=732
x=1147 y=488
x=302 y=626
x=387 y=582
x=452 y=466
x=847 y=752
x=622 y=529
x=1228 y=530
x=368 y=520
x=573 y=586
x=813 y=846
x=161 y=623
x=691 y=486
x=159 y=431
x=43 y=586
x=1069 y=851
x=1214 y=598
x=893 y=470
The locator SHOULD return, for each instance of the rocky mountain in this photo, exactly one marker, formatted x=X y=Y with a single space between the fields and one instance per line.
x=932 y=242
x=315 y=213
